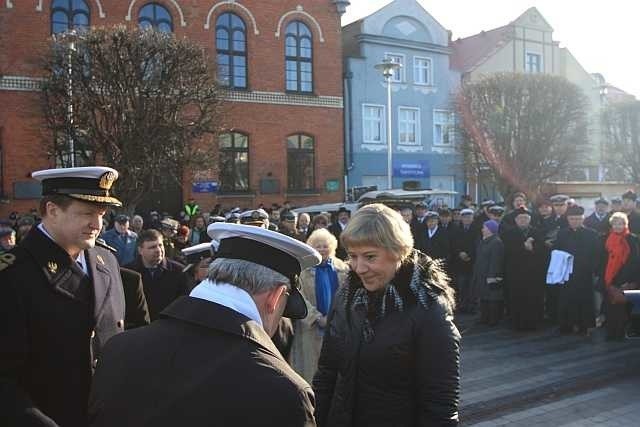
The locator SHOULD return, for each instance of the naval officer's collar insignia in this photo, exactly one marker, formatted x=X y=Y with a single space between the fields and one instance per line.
x=100 y=260
x=52 y=267
x=6 y=260
x=106 y=180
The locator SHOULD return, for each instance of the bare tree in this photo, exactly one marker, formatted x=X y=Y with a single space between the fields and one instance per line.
x=141 y=101
x=621 y=127
x=525 y=128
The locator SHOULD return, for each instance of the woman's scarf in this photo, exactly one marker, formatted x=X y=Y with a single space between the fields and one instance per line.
x=326 y=285
x=618 y=253
x=390 y=298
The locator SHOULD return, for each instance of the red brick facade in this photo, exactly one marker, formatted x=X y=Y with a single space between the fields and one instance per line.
x=266 y=113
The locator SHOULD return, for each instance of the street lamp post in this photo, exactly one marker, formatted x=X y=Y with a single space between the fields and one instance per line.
x=388 y=69
x=72 y=38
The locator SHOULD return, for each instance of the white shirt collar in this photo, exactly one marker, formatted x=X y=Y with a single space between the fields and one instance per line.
x=229 y=296
x=80 y=259
x=432 y=232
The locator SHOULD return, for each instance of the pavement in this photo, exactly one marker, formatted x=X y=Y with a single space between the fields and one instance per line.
x=546 y=379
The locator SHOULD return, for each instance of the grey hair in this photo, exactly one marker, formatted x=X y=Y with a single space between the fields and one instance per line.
x=253 y=278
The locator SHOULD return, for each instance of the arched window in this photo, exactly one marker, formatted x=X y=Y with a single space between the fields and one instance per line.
x=299 y=58
x=300 y=163
x=231 y=46
x=234 y=162
x=156 y=16
x=69 y=15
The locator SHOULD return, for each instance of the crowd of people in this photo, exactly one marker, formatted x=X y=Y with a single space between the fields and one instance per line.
x=497 y=258
x=335 y=319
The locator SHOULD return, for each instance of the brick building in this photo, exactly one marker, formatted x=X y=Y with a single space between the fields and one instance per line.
x=285 y=105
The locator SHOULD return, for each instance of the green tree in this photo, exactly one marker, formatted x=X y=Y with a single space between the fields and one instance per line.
x=525 y=128
x=141 y=101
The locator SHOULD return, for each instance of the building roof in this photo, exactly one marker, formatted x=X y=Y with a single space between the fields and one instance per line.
x=470 y=52
x=615 y=94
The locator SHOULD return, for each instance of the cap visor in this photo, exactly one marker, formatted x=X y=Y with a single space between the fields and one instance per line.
x=296 y=307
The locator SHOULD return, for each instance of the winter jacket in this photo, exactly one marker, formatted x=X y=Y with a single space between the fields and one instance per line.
x=407 y=373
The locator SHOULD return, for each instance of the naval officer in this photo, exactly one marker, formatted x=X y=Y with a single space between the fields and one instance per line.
x=209 y=360
x=62 y=299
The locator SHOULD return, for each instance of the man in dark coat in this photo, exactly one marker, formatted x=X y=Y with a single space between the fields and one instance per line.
x=525 y=272
x=463 y=249
x=336 y=229
x=599 y=219
x=435 y=240
x=163 y=279
x=576 y=310
x=419 y=224
x=550 y=228
x=209 y=360
x=518 y=200
x=62 y=300
x=629 y=207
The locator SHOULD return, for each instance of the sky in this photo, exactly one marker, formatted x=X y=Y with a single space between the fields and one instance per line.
x=603 y=35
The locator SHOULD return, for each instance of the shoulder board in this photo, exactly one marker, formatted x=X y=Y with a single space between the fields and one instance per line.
x=7 y=259
x=102 y=244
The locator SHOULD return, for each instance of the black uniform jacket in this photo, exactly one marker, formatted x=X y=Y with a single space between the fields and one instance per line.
x=54 y=321
x=200 y=364
x=137 y=312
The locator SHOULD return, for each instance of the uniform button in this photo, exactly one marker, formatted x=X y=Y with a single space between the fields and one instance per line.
x=93 y=334
x=95 y=363
x=120 y=323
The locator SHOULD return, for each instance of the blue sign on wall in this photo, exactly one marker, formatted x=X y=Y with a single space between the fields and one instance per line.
x=411 y=169
x=204 y=187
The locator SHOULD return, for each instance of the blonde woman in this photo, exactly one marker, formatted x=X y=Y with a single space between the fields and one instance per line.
x=391 y=353
x=318 y=286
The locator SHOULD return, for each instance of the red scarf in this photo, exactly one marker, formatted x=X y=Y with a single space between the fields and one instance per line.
x=618 y=250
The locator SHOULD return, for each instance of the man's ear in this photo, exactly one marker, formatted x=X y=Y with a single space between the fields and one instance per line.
x=273 y=297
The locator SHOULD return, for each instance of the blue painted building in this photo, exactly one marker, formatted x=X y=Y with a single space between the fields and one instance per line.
x=423 y=119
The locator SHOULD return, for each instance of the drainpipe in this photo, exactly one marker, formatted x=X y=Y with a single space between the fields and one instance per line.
x=348 y=127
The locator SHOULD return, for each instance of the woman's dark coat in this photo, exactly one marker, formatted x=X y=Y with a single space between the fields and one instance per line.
x=407 y=375
x=617 y=314
x=489 y=264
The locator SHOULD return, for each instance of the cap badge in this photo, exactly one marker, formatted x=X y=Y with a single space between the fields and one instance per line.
x=52 y=267
x=106 y=180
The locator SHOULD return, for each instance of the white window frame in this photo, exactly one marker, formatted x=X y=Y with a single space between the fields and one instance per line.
x=402 y=69
x=526 y=63
x=383 y=124
x=418 y=141
x=429 y=81
x=450 y=123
